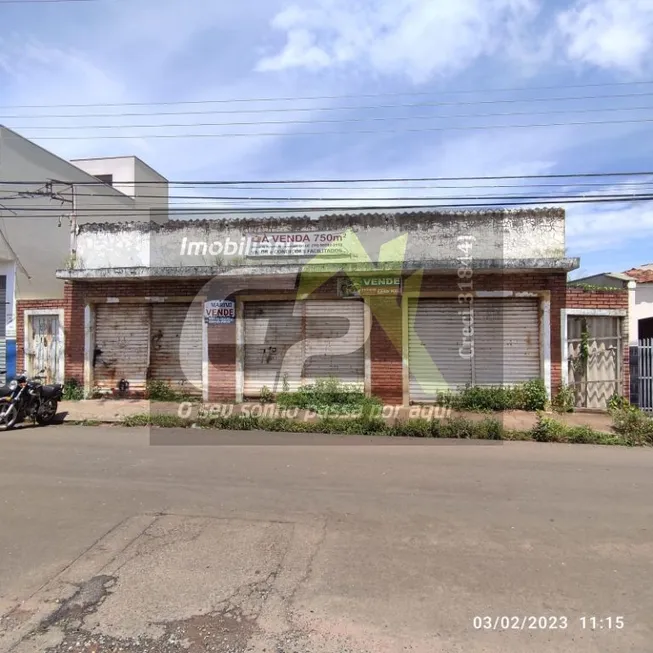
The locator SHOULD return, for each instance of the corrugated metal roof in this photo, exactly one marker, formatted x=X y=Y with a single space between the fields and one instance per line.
x=331 y=219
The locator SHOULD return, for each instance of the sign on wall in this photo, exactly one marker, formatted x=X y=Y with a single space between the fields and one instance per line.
x=305 y=243
x=219 y=311
x=369 y=286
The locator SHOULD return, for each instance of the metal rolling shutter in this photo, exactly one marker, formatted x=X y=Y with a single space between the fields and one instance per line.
x=122 y=335
x=506 y=341
x=3 y=327
x=176 y=346
x=271 y=329
x=335 y=336
x=434 y=344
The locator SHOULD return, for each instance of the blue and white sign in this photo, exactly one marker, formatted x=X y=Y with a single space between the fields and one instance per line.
x=219 y=311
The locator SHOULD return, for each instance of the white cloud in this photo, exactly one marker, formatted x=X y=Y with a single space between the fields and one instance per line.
x=415 y=38
x=610 y=34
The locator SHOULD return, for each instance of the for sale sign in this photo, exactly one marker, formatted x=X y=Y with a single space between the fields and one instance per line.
x=219 y=311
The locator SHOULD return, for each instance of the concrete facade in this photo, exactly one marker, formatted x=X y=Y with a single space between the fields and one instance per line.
x=513 y=254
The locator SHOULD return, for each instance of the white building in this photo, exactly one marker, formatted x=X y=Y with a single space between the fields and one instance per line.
x=42 y=199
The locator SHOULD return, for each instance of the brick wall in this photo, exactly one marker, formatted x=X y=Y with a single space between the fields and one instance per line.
x=385 y=349
x=385 y=337
x=31 y=304
x=579 y=297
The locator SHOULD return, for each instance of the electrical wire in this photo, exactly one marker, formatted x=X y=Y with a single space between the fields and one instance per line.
x=321 y=97
x=333 y=108
x=318 y=121
x=346 y=132
x=465 y=201
x=363 y=180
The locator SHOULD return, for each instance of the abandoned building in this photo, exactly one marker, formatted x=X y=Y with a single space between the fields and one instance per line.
x=402 y=305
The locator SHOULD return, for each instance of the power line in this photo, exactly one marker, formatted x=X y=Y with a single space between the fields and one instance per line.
x=317 y=97
x=357 y=199
x=266 y=182
x=313 y=121
x=513 y=201
x=332 y=108
x=351 y=131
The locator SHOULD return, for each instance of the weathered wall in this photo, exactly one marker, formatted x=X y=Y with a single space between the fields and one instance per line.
x=385 y=338
x=509 y=235
x=21 y=307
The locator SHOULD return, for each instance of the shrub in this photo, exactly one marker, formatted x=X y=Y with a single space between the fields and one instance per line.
x=548 y=430
x=160 y=391
x=525 y=396
x=531 y=395
x=457 y=427
x=412 y=428
x=329 y=397
x=73 y=390
x=564 y=400
x=489 y=429
x=633 y=425
x=617 y=402
x=266 y=395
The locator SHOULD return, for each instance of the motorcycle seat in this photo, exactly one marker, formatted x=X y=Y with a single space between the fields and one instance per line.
x=48 y=391
x=5 y=390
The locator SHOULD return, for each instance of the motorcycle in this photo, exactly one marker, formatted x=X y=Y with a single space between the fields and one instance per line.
x=27 y=398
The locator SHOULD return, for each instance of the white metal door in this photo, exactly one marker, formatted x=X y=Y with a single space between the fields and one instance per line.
x=334 y=342
x=271 y=329
x=289 y=344
x=176 y=346
x=44 y=347
x=506 y=341
x=437 y=348
x=122 y=333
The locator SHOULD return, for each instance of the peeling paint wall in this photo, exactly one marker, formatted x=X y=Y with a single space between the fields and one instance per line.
x=509 y=235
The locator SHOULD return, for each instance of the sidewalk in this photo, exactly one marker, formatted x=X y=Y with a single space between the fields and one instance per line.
x=114 y=410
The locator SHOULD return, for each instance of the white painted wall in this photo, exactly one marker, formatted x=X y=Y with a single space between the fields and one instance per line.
x=498 y=237
x=134 y=178
x=644 y=301
x=39 y=243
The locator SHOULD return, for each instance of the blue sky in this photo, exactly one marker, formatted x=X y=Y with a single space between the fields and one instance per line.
x=116 y=51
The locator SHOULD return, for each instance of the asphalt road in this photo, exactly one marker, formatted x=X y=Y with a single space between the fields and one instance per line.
x=320 y=544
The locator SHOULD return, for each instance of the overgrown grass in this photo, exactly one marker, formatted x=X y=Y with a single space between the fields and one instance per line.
x=564 y=400
x=73 y=390
x=161 y=391
x=546 y=429
x=633 y=424
x=529 y=396
x=329 y=397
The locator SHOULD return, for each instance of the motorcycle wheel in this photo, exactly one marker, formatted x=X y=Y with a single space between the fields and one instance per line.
x=47 y=412
x=8 y=417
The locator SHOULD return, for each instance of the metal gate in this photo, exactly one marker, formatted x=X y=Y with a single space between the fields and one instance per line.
x=449 y=347
x=176 y=346
x=645 y=356
x=121 y=346
x=44 y=347
x=594 y=359
x=290 y=344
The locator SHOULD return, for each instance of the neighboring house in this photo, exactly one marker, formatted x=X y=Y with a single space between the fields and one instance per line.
x=43 y=198
x=387 y=308
x=641 y=312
